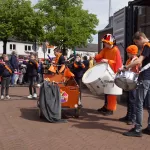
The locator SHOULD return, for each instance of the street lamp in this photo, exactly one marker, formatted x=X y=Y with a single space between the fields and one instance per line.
x=109 y=12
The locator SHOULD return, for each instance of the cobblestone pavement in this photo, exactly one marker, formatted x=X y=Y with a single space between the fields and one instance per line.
x=22 y=129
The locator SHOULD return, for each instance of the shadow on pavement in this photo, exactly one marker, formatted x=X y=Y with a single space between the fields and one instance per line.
x=31 y=114
x=90 y=119
x=19 y=97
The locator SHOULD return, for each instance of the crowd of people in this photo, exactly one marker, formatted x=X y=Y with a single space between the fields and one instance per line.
x=29 y=70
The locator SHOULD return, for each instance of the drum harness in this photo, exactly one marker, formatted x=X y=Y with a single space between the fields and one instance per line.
x=143 y=69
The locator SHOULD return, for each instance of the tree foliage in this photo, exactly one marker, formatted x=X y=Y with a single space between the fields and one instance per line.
x=66 y=23
x=18 y=19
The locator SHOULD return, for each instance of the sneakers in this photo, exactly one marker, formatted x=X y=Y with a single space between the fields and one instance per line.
x=2 y=97
x=34 y=95
x=101 y=110
x=38 y=85
x=133 y=133
x=8 y=97
x=30 y=97
x=130 y=122
x=123 y=119
x=146 y=131
x=108 y=113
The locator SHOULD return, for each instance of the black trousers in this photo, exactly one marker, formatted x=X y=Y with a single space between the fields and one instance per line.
x=32 y=82
x=5 y=85
x=131 y=106
x=79 y=82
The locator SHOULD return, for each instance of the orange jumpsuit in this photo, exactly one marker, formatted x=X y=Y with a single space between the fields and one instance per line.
x=114 y=60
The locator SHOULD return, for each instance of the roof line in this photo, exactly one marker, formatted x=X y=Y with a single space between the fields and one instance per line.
x=105 y=29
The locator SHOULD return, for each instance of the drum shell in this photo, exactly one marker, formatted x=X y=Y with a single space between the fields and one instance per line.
x=98 y=84
x=112 y=89
x=126 y=80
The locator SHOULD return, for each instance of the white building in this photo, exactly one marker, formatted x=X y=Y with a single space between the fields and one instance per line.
x=22 y=48
x=90 y=50
x=49 y=51
x=25 y=48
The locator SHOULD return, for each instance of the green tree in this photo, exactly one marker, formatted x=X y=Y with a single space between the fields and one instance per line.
x=66 y=24
x=18 y=19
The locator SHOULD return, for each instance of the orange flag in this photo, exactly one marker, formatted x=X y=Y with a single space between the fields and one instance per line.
x=68 y=73
x=52 y=69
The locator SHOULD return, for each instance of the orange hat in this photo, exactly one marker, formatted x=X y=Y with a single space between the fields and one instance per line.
x=108 y=38
x=132 y=49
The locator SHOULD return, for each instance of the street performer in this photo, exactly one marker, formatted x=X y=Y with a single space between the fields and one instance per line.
x=59 y=62
x=143 y=90
x=130 y=117
x=109 y=54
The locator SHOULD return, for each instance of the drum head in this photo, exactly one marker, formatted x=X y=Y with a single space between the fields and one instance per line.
x=94 y=73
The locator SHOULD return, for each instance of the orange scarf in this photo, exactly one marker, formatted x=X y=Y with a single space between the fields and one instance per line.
x=57 y=58
x=54 y=68
x=136 y=68
x=8 y=68
x=145 y=44
x=35 y=62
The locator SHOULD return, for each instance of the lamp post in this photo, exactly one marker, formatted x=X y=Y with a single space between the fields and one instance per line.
x=109 y=12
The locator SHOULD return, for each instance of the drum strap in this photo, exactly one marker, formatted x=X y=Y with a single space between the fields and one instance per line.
x=145 y=67
x=133 y=61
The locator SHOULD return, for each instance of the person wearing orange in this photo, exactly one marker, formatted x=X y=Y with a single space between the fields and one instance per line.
x=59 y=60
x=132 y=52
x=109 y=54
x=6 y=70
x=143 y=89
x=32 y=71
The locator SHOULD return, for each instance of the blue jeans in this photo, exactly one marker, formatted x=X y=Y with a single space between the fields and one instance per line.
x=142 y=96
x=13 y=79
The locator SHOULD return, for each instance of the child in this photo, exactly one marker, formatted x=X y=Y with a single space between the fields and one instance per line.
x=78 y=70
x=32 y=70
x=6 y=73
x=132 y=52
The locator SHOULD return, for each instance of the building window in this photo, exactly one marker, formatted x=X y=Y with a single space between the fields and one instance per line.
x=49 y=51
x=140 y=10
x=27 y=48
x=12 y=46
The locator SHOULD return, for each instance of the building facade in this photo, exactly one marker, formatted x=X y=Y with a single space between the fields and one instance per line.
x=25 y=48
x=89 y=50
x=144 y=20
x=21 y=48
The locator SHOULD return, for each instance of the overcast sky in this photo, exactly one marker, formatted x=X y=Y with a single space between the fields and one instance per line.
x=100 y=8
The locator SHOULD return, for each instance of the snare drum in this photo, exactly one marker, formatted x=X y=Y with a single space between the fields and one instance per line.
x=95 y=78
x=127 y=80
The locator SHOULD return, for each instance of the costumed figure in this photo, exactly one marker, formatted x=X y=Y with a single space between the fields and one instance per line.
x=109 y=54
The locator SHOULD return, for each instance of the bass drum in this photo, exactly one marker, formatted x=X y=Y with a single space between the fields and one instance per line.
x=96 y=77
